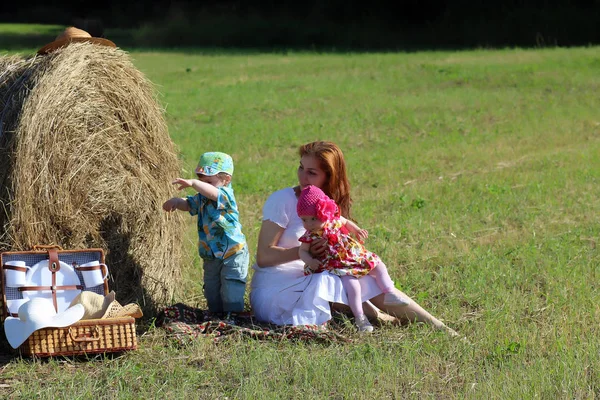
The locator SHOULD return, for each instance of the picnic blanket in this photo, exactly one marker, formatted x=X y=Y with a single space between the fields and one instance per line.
x=186 y=324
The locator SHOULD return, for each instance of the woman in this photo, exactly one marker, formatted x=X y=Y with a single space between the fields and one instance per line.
x=280 y=292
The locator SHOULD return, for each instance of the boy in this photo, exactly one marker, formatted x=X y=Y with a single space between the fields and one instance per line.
x=222 y=245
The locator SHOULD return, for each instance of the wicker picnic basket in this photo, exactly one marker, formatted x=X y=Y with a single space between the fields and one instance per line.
x=89 y=336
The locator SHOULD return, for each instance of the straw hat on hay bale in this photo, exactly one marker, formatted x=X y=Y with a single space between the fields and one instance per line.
x=86 y=161
x=73 y=35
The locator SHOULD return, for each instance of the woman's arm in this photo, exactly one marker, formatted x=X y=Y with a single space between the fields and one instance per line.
x=268 y=253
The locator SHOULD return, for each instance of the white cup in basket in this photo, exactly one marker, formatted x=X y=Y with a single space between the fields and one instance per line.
x=15 y=272
x=13 y=306
x=92 y=273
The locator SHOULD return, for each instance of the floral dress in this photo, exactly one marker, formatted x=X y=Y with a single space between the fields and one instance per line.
x=345 y=255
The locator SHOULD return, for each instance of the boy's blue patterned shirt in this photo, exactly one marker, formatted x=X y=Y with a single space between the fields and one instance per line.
x=219 y=228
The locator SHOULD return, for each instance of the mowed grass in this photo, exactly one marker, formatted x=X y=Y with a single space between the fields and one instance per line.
x=477 y=175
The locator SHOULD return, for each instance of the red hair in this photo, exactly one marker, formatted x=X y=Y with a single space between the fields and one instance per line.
x=333 y=164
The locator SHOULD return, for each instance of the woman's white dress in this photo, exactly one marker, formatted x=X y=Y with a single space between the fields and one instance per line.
x=281 y=294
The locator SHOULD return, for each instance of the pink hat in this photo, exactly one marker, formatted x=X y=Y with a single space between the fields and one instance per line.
x=314 y=202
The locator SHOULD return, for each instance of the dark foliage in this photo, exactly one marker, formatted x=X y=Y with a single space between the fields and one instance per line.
x=334 y=23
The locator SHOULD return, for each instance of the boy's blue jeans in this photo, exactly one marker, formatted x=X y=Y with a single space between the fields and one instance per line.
x=225 y=282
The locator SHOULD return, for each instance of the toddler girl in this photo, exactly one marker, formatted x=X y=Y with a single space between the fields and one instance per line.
x=345 y=256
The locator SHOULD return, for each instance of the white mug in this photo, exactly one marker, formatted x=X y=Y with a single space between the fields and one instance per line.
x=13 y=306
x=15 y=272
x=92 y=273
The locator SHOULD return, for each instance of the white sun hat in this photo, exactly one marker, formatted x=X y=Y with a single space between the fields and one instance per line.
x=36 y=314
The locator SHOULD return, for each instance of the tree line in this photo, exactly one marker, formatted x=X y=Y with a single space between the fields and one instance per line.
x=376 y=23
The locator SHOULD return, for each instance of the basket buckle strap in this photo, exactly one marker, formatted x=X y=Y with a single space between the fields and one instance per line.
x=53 y=266
x=53 y=288
x=92 y=268
x=15 y=268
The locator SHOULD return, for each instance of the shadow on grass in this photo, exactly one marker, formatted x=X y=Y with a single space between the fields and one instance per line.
x=7 y=354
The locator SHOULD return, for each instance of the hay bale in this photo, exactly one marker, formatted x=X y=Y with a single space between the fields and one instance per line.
x=88 y=162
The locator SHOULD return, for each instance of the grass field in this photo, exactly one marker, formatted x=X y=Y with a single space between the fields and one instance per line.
x=477 y=174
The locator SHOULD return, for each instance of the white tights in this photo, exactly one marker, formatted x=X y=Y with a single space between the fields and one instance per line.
x=352 y=287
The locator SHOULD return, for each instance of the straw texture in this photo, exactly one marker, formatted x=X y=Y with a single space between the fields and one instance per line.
x=86 y=161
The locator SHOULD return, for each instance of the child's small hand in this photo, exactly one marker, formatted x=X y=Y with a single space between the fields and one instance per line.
x=362 y=234
x=170 y=205
x=314 y=264
x=183 y=183
x=318 y=247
